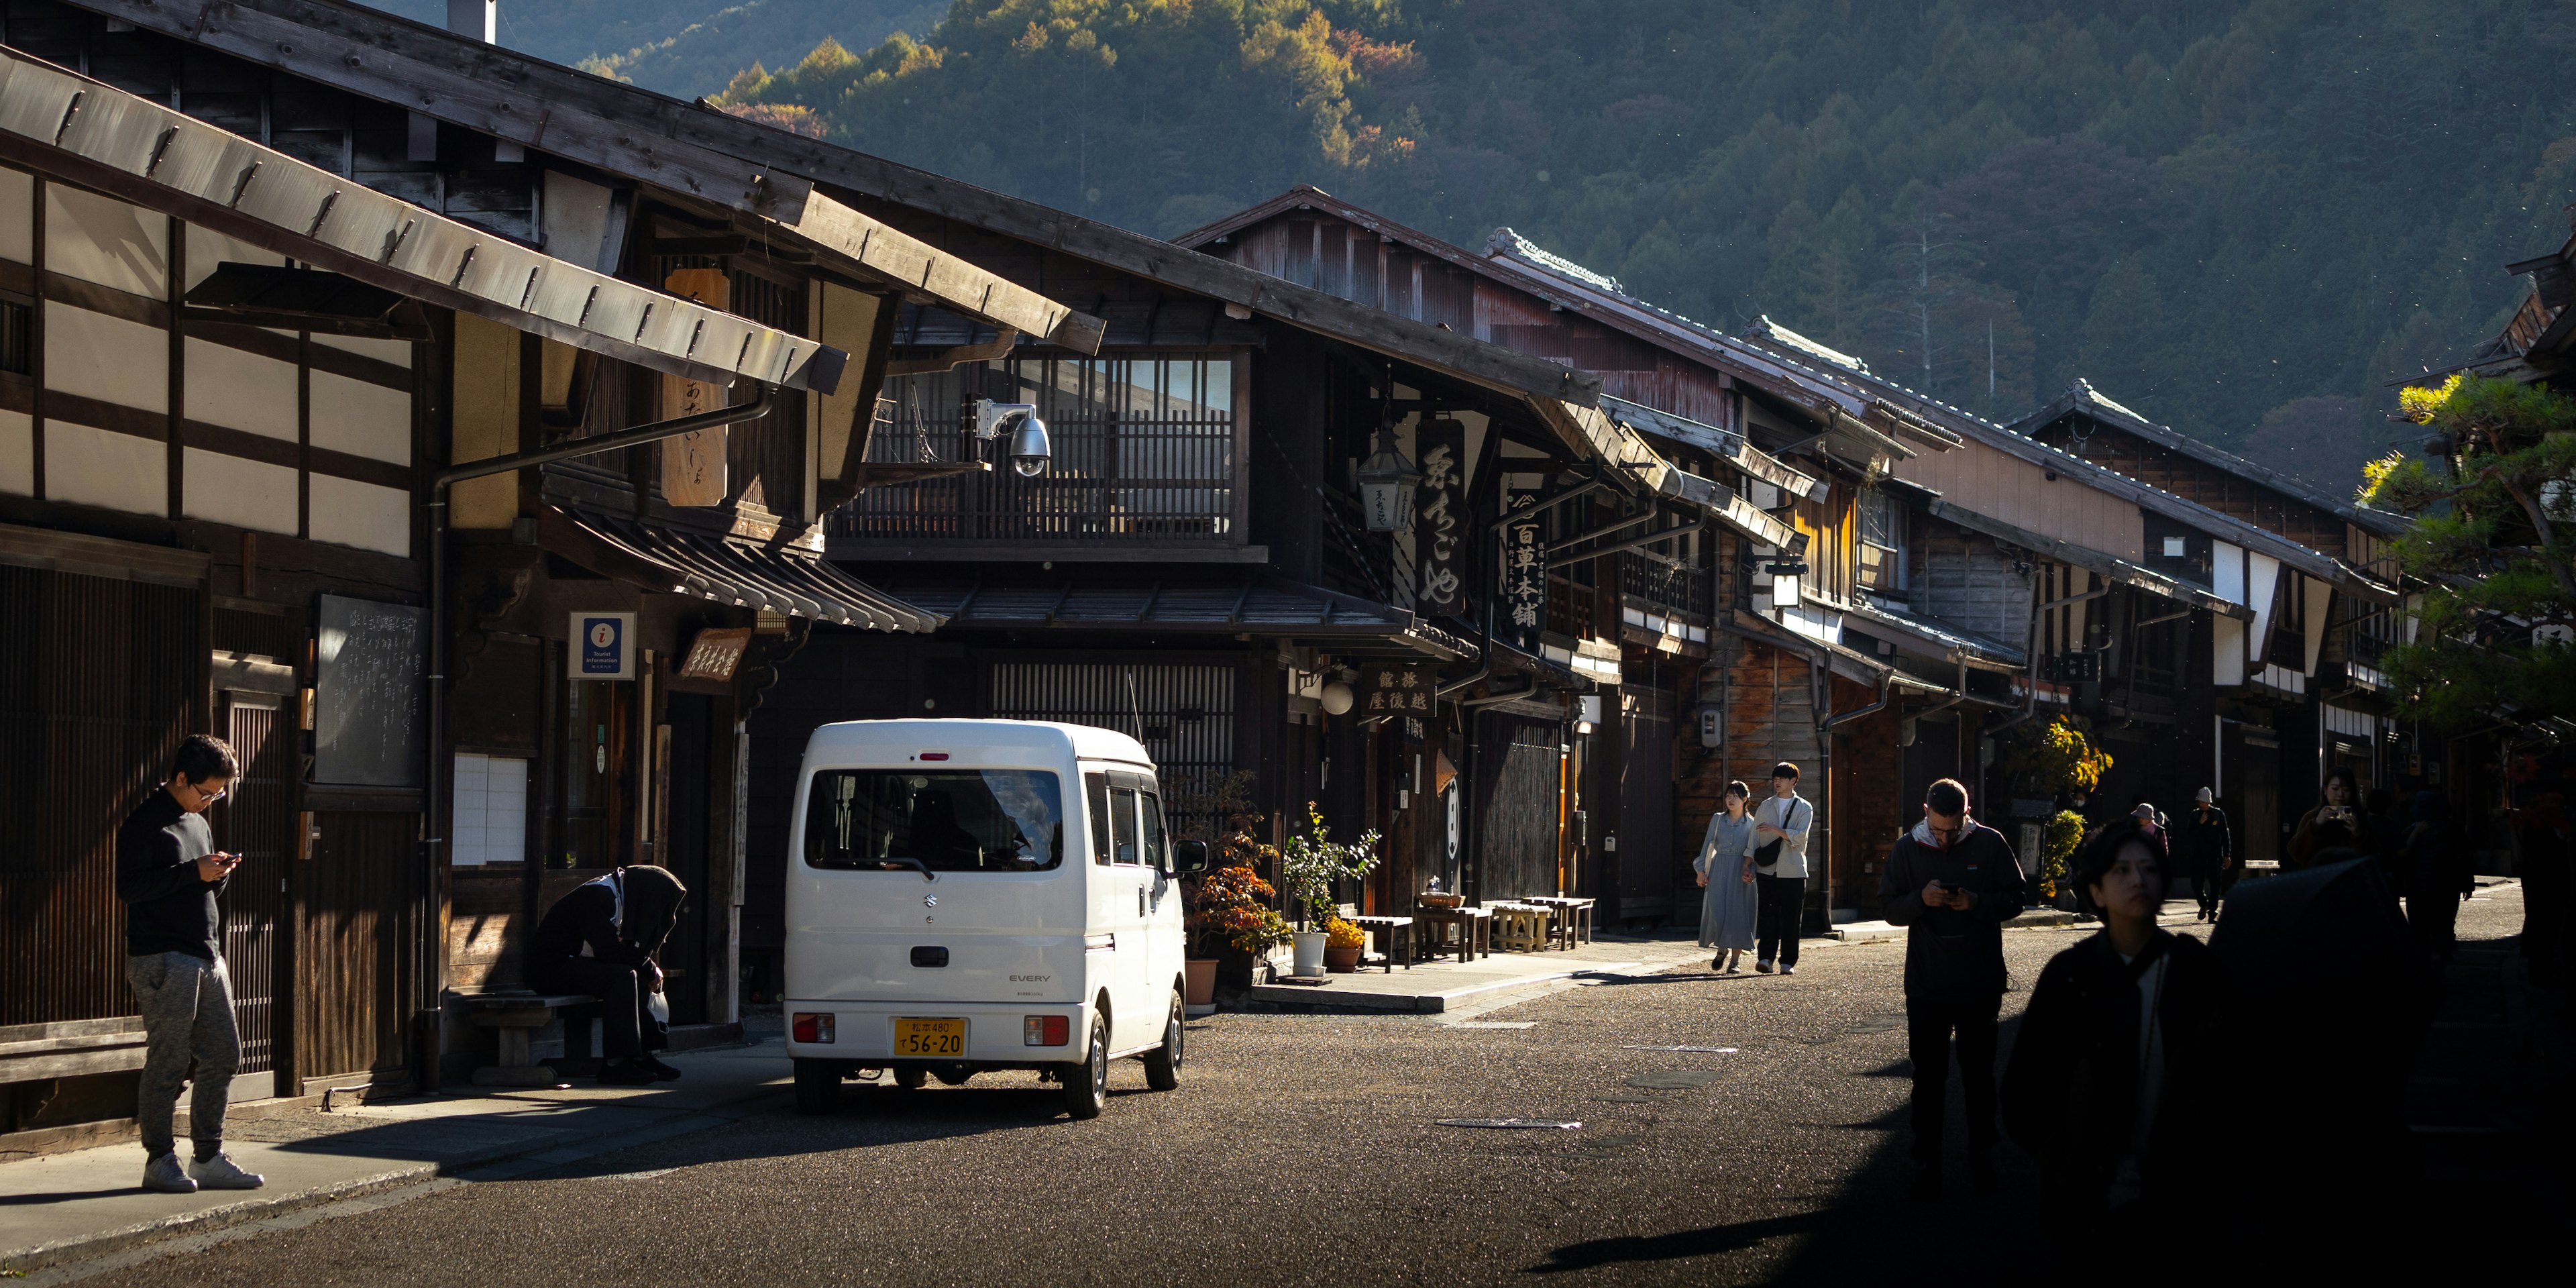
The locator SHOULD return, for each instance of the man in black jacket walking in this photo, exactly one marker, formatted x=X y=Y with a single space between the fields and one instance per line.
x=168 y=872
x=1952 y=882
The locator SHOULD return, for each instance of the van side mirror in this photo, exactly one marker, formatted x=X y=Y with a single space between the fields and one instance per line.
x=1189 y=858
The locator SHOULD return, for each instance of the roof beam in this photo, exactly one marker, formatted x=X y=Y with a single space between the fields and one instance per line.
x=589 y=119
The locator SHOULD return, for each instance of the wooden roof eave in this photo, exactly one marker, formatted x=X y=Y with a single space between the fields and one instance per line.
x=147 y=153
x=591 y=120
x=1640 y=468
x=2110 y=567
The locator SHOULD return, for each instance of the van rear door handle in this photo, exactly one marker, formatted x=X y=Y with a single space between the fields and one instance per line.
x=1100 y=943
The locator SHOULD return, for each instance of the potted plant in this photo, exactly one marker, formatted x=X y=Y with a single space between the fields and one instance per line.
x=1342 y=944
x=1309 y=865
x=1230 y=922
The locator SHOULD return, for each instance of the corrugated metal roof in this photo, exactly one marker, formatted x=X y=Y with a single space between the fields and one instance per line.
x=705 y=565
x=1266 y=607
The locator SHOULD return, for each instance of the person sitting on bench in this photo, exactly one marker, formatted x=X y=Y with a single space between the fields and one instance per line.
x=601 y=939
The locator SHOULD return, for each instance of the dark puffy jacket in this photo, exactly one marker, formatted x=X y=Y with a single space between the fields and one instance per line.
x=1953 y=955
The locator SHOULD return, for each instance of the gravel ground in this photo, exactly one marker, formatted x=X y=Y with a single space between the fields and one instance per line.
x=1300 y=1149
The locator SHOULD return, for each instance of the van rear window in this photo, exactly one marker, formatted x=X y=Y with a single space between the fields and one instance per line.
x=957 y=820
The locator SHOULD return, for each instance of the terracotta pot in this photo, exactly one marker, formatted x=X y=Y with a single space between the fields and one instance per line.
x=1341 y=961
x=1198 y=981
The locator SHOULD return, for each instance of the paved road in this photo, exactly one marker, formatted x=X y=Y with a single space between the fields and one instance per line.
x=1300 y=1149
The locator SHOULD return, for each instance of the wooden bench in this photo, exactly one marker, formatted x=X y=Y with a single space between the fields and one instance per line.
x=514 y=1018
x=1475 y=930
x=1394 y=934
x=1574 y=917
x=1522 y=927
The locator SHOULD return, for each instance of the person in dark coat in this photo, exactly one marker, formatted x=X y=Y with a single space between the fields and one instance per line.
x=2209 y=850
x=602 y=939
x=2334 y=826
x=2114 y=1073
x=1952 y=882
x=2436 y=874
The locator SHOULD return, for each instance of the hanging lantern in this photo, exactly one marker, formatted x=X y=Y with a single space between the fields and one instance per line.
x=1387 y=482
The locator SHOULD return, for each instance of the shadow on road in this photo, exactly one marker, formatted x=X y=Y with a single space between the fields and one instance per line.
x=1595 y=1253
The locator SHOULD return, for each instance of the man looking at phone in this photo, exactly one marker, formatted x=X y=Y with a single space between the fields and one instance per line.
x=1952 y=882
x=168 y=872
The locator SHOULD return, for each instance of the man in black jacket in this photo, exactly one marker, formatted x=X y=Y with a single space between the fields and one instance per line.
x=2209 y=852
x=168 y=872
x=1952 y=882
x=603 y=938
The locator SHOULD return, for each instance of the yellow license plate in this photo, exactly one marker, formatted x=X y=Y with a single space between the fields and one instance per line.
x=930 y=1037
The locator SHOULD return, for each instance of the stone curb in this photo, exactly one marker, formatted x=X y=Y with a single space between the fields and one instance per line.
x=62 y=1252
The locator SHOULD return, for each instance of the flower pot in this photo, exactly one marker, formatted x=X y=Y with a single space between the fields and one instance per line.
x=1198 y=981
x=1341 y=961
x=1310 y=952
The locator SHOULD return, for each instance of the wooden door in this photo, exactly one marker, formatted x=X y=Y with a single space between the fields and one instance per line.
x=1516 y=837
x=1647 y=867
x=257 y=822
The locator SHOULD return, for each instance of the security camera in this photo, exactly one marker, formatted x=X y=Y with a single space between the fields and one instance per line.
x=1030 y=451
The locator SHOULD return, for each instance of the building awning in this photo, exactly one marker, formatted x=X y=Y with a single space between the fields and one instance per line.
x=1264 y=606
x=709 y=566
x=1725 y=445
x=2107 y=566
x=1594 y=434
x=140 y=150
x=1933 y=638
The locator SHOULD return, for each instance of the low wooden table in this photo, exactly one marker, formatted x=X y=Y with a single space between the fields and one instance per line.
x=1574 y=916
x=1393 y=933
x=1475 y=929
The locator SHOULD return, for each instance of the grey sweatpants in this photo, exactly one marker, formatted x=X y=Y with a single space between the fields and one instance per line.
x=187 y=1006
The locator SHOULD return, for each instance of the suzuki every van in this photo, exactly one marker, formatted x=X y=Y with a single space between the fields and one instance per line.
x=970 y=895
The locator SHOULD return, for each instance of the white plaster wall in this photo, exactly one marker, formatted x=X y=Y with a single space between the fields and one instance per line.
x=103 y=240
x=240 y=390
x=243 y=493
x=350 y=513
x=110 y=359
x=361 y=419
x=17 y=216
x=98 y=467
x=17 y=453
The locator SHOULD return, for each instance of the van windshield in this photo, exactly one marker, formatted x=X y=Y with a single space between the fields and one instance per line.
x=952 y=820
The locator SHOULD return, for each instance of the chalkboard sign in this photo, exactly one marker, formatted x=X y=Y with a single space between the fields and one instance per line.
x=367 y=715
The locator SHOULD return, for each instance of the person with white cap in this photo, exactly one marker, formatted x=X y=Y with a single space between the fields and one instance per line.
x=2208 y=855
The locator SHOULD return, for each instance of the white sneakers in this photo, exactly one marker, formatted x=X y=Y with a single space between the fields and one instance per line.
x=222 y=1173
x=162 y=1175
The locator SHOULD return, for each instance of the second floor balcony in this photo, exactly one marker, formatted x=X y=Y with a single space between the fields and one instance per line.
x=1147 y=453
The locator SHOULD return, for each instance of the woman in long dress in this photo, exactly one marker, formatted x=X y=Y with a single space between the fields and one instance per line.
x=1726 y=911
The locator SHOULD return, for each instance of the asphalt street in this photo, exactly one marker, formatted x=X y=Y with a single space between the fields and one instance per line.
x=1299 y=1149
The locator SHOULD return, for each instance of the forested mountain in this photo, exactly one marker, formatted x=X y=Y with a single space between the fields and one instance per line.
x=2241 y=217
x=685 y=48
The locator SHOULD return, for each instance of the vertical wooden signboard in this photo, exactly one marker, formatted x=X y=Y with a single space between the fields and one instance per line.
x=1440 y=519
x=693 y=464
x=1524 y=587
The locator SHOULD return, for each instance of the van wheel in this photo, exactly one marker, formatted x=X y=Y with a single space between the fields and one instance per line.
x=953 y=1076
x=911 y=1077
x=1163 y=1063
x=818 y=1086
x=1086 y=1085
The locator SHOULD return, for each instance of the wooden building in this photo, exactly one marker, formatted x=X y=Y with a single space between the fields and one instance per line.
x=262 y=300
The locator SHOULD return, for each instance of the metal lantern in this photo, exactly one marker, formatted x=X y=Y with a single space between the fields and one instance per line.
x=1387 y=481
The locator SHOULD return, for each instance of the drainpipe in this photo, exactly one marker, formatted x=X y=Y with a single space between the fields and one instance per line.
x=434 y=804
x=2030 y=706
x=2131 y=688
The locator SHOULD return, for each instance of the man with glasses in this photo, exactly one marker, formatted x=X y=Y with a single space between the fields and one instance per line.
x=1952 y=882
x=168 y=872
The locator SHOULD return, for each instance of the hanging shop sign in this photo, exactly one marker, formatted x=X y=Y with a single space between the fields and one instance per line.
x=1524 y=561
x=715 y=653
x=1397 y=689
x=693 y=464
x=1440 y=516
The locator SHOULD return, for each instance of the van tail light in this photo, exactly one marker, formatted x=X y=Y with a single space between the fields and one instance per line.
x=813 y=1026
x=1046 y=1030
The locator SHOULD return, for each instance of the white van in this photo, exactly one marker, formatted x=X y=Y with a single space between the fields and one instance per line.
x=967 y=895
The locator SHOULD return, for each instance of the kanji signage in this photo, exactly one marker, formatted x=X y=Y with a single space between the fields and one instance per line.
x=1396 y=689
x=1440 y=516
x=1524 y=587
